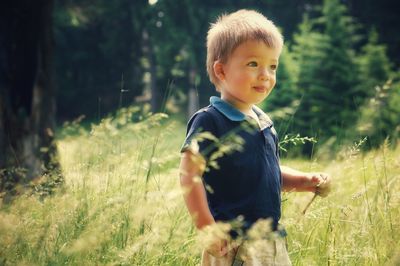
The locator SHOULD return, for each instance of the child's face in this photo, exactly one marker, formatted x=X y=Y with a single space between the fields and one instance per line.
x=249 y=75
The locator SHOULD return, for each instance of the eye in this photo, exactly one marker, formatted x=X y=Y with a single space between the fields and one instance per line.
x=252 y=64
x=274 y=67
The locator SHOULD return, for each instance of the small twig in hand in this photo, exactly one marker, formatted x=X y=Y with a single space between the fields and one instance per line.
x=308 y=205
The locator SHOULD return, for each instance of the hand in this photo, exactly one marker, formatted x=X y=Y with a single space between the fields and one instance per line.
x=323 y=188
x=322 y=183
x=218 y=248
x=215 y=238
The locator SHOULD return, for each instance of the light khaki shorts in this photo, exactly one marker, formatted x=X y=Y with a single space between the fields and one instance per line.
x=260 y=252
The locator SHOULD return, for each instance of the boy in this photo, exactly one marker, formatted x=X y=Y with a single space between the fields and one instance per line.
x=243 y=183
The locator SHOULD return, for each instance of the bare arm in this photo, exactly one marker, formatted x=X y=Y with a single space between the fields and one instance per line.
x=191 y=169
x=294 y=180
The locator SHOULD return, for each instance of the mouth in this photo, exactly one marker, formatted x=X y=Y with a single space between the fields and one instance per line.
x=260 y=89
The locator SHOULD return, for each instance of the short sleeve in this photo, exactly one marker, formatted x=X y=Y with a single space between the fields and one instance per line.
x=201 y=134
x=276 y=139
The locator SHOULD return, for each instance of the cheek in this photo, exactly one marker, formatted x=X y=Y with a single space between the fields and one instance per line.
x=273 y=81
x=242 y=78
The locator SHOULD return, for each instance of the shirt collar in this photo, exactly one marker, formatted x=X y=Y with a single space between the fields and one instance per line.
x=234 y=114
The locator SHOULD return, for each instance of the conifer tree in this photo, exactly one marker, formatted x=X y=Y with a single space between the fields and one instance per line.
x=374 y=65
x=338 y=71
x=379 y=117
x=307 y=53
x=328 y=73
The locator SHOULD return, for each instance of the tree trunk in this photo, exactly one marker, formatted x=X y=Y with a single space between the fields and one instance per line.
x=27 y=100
x=148 y=51
x=193 y=97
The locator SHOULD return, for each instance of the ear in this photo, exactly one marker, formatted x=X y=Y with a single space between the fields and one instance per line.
x=219 y=70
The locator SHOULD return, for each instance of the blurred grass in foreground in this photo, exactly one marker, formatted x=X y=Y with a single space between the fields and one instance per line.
x=122 y=204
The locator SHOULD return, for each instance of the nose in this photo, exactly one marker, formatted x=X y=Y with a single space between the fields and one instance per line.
x=264 y=75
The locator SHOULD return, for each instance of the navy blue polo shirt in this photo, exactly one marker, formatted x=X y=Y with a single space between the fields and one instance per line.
x=242 y=177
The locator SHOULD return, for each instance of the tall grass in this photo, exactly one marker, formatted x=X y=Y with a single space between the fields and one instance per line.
x=354 y=225
x=122 y=205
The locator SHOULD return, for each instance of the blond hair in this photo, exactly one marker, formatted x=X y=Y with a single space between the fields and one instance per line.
x=229 y=31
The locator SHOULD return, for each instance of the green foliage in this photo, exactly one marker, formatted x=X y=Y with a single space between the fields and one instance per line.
x=375 y=66
x=378 y=106
x=322 y=80
x=328 y=77
x=323 y=83
x=379 y=117
x=97 y=53
x=308 y=52
x=293 y=140
x=337 y=72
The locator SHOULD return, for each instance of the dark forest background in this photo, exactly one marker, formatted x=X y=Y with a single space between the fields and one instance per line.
x=336 y=79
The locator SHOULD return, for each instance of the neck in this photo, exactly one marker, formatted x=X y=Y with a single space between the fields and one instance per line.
x=242 y=107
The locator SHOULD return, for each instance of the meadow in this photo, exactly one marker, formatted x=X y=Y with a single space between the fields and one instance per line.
x=121 y=203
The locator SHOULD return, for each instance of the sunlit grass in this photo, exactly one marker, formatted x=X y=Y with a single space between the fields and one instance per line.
x=358 y=223
x=122 y=205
